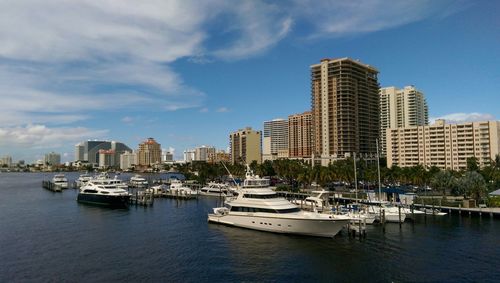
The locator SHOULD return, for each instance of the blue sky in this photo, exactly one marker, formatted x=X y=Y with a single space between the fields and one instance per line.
x=189 y=72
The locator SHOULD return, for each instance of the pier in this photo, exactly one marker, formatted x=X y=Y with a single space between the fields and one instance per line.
x=478 y=211
x=51 y=186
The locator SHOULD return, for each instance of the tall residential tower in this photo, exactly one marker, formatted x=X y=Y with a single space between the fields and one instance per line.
x=345 y=109
x=401 y=108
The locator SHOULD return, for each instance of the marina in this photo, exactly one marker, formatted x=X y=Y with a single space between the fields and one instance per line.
x=174 y=242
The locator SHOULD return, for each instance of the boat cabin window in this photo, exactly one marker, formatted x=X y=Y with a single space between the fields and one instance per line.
x=90 y=191
x=268 y=210
x=267 y=196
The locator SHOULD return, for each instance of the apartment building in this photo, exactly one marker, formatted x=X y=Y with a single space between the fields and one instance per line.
x=345 y=109
x=275 y=139
x=300 y=139
x=405 y=107
x=245 y=146
x=446 y=146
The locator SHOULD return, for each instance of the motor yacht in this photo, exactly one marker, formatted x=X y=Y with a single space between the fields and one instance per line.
x=318 y=201
x=104 y=191
x=215 y=189
x=178 y=188
x=60 y=181
x=138 y=181
x=258 y=207
x=83 y=179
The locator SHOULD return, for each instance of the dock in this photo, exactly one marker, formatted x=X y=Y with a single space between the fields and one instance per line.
x=51 y=186
x=142 y=198
x=478 y=211
x=179 y=196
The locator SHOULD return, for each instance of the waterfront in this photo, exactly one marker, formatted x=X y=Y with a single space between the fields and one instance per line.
x=48 y=236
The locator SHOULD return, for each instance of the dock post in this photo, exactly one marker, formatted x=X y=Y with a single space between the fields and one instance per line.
x=460 y=209
x=399 y=212
x=383 y=220
x=480 y=212
x=359 y=231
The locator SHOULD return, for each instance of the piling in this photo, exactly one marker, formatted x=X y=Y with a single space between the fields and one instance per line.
x=399 y=215
x=383 y=220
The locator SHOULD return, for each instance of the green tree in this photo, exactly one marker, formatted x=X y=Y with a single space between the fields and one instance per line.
x=443 y=181
x=472 y=164
x=472 y=184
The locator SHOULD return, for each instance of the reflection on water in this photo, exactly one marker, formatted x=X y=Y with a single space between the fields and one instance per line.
x=48 y=236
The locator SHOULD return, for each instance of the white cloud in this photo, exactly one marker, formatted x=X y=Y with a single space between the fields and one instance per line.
x=41 y=136
x=204 y=110
x=464 y=117
x=339 y=18
x=222 y=109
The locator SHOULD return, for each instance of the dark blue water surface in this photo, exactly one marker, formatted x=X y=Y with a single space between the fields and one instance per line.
x=46 y=236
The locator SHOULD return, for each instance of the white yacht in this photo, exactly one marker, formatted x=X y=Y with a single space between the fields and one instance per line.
x=258 y=207
x=432 y=211
x=83 y=179
x=318 y=201
x=215 y=189
x=177 y=187
x=60 y=180
x=138 y=181
x=104 y=191
x=391 y=212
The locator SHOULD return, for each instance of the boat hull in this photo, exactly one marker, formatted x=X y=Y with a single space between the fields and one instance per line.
x=104 y=200
x=309 y=227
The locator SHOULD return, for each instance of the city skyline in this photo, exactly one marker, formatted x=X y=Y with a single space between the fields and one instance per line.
x=139 y=71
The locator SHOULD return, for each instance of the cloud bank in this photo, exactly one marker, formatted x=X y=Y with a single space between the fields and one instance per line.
x=61 y=61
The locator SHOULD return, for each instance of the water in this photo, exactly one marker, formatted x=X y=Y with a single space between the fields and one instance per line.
x=46 y=236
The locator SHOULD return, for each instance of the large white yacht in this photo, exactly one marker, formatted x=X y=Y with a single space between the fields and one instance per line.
x=104 y=191
x=60 y=180
x=258 y=207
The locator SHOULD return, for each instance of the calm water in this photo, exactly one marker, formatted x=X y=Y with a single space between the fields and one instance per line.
x=46 y=236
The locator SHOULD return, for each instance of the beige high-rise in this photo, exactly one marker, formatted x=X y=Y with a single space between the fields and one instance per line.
x=401 y=108
x=300 y=135
x=149 y=153
x=245 y=146
x=345 y=109
x=446 y=146
x=275 y=139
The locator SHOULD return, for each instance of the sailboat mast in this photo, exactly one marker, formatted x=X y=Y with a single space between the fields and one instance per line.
x=378 y=171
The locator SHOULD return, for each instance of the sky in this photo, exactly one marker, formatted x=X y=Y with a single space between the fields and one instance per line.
x=188 y=73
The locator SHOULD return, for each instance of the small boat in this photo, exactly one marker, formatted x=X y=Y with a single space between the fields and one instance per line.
x=215 y=189
x=158 y=190
x=178 y=188
x=60 y=181
x=433 y=211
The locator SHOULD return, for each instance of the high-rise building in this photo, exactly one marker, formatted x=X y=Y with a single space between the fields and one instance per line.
x=89 y=150
x=6 y=161
x=107 y=158
x=405 y=107
x=52 y=159
x=245 y=146
x=345 y=109
x=300 y=135
x=446 y=146
x=201 y=153
x=128 y=160
x=275 y=138
x=189 y=155
x=149 y=153
x=168 y=156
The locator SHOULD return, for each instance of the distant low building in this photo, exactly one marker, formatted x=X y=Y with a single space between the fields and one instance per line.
x=107 y=158
x=89 y=150
x=6 y=161
x=149 y=153
x=219 y=156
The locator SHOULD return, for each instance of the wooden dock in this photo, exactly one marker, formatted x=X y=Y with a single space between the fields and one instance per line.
x=142 y=198
x=51 y=186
